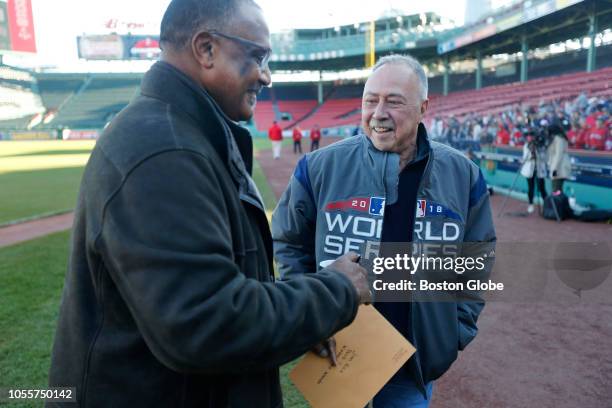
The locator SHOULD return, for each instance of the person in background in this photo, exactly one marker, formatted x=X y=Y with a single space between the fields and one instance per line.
x=609 y=139
x=477 y=131
x=275 y=134
x=503 y=136
x=516 y=137
x=534 y=168
x=559 y=164
x=575 y=136
x=597 y=135
x=297 y=140
x=315 y=137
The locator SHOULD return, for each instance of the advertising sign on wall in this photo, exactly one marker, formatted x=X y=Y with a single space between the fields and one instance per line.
x=144 y=47
x=17 y=26
x=21 y=26
x=101 y=47
x=118 y=47
x=33 y=135
x=71 y=134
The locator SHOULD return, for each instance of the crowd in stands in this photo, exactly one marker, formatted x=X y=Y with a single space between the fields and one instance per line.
x=587 y=123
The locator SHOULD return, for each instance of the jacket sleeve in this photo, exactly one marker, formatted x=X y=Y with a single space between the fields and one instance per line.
x=527 y=166
x=554 y=155
x=479 y=238
x=167 y=244
x=294 y=226
x=525 y=153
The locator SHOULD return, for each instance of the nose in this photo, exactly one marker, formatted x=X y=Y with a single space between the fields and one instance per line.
x=265 y=76
x=380 y=112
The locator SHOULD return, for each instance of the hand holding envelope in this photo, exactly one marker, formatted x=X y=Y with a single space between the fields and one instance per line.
x=369 y=353
x=348 y=265
x=327 y=349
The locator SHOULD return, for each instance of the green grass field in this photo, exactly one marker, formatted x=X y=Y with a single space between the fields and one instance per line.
x=31 y=281
x=40 y=178
x=32 y=273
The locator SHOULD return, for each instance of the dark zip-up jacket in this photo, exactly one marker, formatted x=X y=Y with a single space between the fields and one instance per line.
x=169 y=298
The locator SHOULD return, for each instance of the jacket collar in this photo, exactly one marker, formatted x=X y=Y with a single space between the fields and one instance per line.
x=390 y=161
x=232 y=142
x=167 y=83
x=423 y=145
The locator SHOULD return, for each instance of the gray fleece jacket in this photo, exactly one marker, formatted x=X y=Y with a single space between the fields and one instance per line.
x=335 y=202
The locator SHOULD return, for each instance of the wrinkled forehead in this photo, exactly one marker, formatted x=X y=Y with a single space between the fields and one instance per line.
x=393 y=79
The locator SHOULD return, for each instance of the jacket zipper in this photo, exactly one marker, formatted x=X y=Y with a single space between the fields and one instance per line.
x=426 y=171
x=421 y=383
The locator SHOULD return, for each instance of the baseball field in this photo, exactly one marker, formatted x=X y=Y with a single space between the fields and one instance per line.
x=526 y=354
x=39 y=179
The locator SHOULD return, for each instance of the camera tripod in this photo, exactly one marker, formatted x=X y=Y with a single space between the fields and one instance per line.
x=516 y=176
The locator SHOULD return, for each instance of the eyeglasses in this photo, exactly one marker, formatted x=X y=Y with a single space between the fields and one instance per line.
x=260 y=55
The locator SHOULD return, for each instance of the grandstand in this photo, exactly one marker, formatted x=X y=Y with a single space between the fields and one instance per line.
x=494 y=99
x=342 y=105
x=55 y=90
x=478 y=83
x=76 y=100
x=96 y=101
x=19 y=98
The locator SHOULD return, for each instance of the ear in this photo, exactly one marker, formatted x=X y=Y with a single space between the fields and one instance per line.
x=203 y=48
x=424 y=106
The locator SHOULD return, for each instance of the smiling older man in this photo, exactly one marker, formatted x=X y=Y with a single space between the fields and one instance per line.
x=390 y=185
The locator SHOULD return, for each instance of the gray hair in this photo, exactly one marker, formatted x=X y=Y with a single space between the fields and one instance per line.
x=411 y=63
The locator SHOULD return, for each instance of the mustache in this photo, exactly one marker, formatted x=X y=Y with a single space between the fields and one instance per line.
x=381 y=123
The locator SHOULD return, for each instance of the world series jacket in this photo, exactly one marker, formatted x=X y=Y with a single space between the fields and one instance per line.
x=335 y=201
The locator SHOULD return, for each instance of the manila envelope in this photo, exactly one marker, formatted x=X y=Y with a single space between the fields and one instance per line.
x=369 y=351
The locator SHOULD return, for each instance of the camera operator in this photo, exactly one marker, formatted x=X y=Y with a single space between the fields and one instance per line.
x=534 y=164
x=559 y=163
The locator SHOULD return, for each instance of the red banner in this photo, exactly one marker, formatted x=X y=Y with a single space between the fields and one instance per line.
x=21 y=25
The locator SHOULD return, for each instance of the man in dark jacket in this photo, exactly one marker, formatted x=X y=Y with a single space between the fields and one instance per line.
x=170 y=298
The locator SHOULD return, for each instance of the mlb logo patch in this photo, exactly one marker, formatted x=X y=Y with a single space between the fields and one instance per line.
x=421 y=208
x=377 y=206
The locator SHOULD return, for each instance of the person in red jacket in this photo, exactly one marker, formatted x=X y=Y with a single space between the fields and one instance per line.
x=275 y=134
x=503 y=137
x=315 y=136
x=575 y=136
x=597 y=137
x=297 y=140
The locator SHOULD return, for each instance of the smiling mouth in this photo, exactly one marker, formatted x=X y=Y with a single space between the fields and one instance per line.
x=382 y=129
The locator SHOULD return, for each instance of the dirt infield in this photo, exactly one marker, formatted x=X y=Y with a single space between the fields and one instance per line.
x=525 y=355
x=14 y=234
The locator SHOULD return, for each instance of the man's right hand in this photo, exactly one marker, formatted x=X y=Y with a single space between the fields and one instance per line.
x=348 y=265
